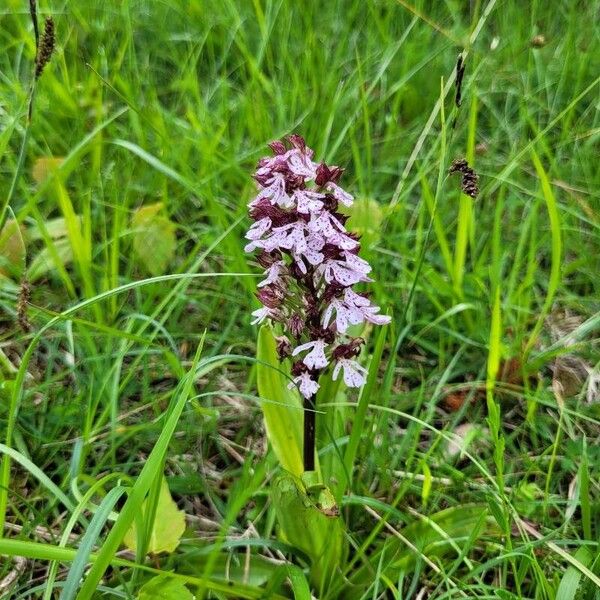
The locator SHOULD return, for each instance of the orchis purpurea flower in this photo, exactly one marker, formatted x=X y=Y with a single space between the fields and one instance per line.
x=311 y=263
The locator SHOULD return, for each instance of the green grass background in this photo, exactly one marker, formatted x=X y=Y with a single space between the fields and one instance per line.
x=173 y=102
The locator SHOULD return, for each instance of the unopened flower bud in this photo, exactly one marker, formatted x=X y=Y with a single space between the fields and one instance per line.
x=297 y=142
x=296 y=325
x=278 y=147
x=271 y=296
x=349 y=350
x=298 y=368
x=284 y=348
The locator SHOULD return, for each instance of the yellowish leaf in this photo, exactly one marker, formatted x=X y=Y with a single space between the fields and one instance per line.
x=153 y=238
x=12 y=250
x=164 y=587
x=366 y=216
x=168 y=526
x=45 y=166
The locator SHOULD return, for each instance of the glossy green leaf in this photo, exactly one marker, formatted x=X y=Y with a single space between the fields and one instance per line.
x=309 y=521
x=281 y=407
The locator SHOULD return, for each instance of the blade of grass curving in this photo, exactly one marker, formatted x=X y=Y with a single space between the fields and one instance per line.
x=571 y=580
x=366 y=394
x=566 y=343
x=64 y=538
x=572 y=560
x=17 y=386
x=26 y=463
x=298 y=583
x=41 y=551
x=92 y=533
x=555 y=265
x=142 y=484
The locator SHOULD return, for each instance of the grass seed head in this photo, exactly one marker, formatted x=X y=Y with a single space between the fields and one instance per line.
x=470 y=179
x=46 y=47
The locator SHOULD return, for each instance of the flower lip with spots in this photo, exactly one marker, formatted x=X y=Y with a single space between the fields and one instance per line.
x=311 y=264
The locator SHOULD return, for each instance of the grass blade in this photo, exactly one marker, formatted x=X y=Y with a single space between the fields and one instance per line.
x=140 y=487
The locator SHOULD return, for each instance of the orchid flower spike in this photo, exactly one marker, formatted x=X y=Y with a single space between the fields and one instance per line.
x=311 y=264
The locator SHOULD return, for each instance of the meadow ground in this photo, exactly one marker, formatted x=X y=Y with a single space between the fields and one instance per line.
x=475 y=470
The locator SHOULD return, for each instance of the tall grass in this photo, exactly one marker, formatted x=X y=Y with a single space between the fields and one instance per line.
x=468 y=466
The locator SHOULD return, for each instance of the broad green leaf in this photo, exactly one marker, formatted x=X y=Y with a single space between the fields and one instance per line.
x=12 y=250
x=309 y=521
x=46 y=552
x=164 y=588
x=571 y=580
x=331 y=431
x=153 y=238
x=169 y=525
x=229 y=565
x=281 y=407
x=55 y=228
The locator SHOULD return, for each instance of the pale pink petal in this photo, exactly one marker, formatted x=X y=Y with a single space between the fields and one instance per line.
x=351 y=297
x=354 y=374
x=258 y=229
x=308 y=201
x=339 y=194
x=260 y=315
x=329 y=313
x=378 y=319
x=303 y=347
x=300 y=164
x=273 y=273
x=307 y=386
x=345 y=242
x=316 y=359
x=342 y=318
x=275 y=191
x=313 y=257
x=336 y=370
